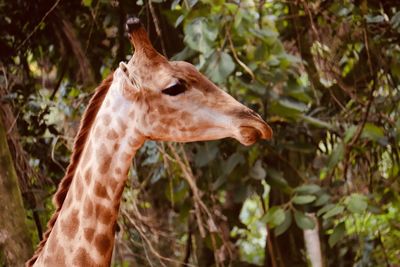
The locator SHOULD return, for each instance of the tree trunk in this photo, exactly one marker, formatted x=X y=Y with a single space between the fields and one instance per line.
x=313 y=243
x=15 y=243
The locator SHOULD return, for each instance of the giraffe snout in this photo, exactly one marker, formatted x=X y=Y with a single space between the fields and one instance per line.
x=252 y=127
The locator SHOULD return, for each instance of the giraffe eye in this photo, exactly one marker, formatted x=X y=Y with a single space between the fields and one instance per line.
x=175 y=89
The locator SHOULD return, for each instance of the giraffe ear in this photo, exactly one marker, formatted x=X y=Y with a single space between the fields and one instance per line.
x=130 y=82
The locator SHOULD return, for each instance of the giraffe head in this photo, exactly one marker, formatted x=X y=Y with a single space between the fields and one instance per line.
x=177 y=103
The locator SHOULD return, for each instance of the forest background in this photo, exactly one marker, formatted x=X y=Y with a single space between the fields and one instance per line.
x=324 y=74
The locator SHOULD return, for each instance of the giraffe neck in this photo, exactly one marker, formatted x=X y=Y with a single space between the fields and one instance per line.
x=83 y=234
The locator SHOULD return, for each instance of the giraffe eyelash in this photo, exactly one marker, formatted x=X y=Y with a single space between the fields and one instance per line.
x=175 y=89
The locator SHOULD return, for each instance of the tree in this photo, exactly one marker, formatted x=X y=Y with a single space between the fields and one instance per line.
x=15 y=242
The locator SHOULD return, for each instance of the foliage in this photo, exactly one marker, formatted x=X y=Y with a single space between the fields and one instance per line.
x=324 y=74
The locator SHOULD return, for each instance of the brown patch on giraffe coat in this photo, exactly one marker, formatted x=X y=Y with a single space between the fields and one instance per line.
x=134 y=143
x=102 y=243
x=104 y=214
x=185 y=116
x=82 y=258
x=152 y=117
x=118 y=170
x=122 y=125
x=112 y=134
x=167 y=120
x=106 y=118
x=100 y=190
x=89 y=234
x=116 y=146
x=126 y=156
x=97 y=132
x=88 y=207
x=113 y=183
x=88 y=175
x=161 y=129
x=117 y=198
x=70 y=225
x=165 y=110
x=151 y=98
x=59 y=260
x=104 y=159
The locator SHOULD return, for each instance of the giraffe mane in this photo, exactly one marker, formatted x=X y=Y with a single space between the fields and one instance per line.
x=79 y=145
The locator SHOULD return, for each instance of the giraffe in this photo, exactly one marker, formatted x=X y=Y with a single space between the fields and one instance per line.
x=148 y=98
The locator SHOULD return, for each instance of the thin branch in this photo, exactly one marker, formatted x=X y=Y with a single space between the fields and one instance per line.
x=94 y=15
x=383 y=249
x=148 y=242
x=38 y=25
x=53 y=158
x=359 y=130
x=196 y=195
x=247 y=69
x=188 y=247
x=157 y=26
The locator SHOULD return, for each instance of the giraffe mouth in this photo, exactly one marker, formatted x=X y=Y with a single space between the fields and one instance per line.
x=249 y=134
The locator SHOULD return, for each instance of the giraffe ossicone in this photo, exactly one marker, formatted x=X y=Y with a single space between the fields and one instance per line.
x=149 y=98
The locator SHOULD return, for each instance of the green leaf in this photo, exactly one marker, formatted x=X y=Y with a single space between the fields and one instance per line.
x=179 y=21
x=265 y=32
x=336 y=156
x=307 y=189
x=200 y=35
x=356 y=203
x=276 y=179
x=337 y=234
x=233 y=160
x=316 y=122
x=337 y=209
x=281 y=228
x=301 y=200
x=322 y=199
x=220 y=67
x=300 y=147
x=274 y=216
x=288 y=108
x=350 y=133
x=325 y=209
x=87 y=3
x=374 y=19
x=373 y=132
x=395 y=21
x=303 y=221
x=174 y=4
x=257 y=171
